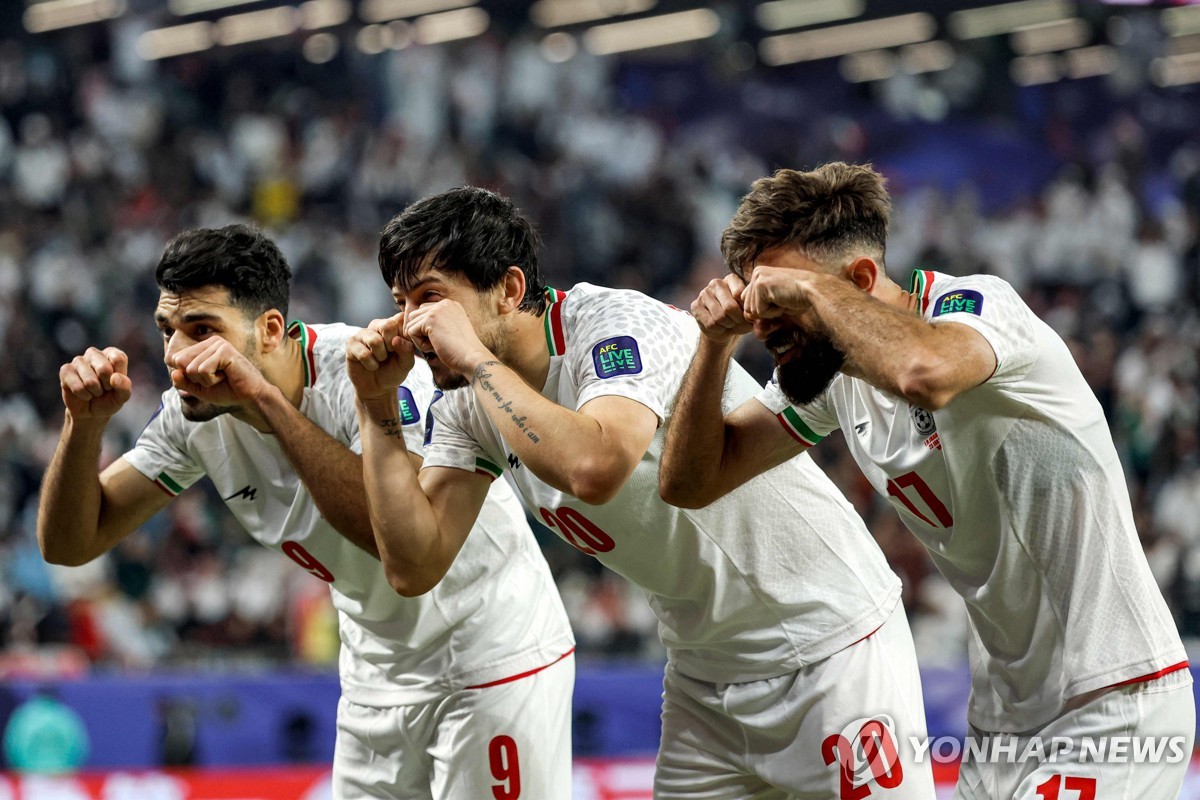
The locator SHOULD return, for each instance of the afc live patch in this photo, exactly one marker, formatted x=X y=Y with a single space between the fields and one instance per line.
x=409 y=413
x=964 y=301
x=617 y=356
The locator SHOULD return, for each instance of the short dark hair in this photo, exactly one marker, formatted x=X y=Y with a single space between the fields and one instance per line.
x=838 y=210
x=469 y=231
x=237 y=257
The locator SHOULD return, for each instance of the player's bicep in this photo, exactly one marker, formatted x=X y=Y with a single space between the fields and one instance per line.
x=128 y=499
x=627 y=428
x=967 y=357
x=456 y=497
x=755 y=441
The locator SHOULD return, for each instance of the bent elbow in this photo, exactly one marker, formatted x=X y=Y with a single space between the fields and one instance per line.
x=410 y=586
x=923 y=384
x=596 y=483
x=681 y=493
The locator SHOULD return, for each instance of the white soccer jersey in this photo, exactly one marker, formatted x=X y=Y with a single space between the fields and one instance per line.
x=494 y=615
x=1016 y=491
x=780 y=574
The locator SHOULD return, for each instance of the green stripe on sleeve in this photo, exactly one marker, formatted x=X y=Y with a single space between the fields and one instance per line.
x=483 y=465
x=806 y=433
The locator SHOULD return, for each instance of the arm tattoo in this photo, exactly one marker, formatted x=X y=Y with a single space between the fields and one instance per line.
x=391 y=426
x=481 y=372
x=483 y=377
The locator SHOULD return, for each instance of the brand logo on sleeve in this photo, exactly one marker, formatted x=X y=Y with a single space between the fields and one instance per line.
x=617 y=356
x=409 y=413
x=963 y=301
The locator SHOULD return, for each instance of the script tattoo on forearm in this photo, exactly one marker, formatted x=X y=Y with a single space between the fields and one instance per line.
x=483 y=377
x=391 y=426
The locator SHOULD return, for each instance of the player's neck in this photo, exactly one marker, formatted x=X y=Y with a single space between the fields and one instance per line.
x=890 y=293
x=525 y=349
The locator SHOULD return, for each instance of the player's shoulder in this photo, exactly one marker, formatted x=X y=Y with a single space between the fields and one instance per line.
x=594 y=312
x=940 y=294
x=324 y=351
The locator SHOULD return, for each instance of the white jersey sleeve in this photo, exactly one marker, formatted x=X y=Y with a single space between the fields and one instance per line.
x=808 y=424
x=161 y=452
x=990 y=306
x=450 y=440
x=626 y=344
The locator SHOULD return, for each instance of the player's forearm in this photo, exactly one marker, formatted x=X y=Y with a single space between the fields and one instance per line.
x=70 y=504
x=563 y=447
x=696 y=438
x=330 y=471
x=406 y=529
x=886 y=347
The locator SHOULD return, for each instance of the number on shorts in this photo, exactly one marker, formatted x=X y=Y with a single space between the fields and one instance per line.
x=896 y=489
x=502 y=755
x=305 y=559
x=879 y=751
x=1085 y=788
x=578 y=530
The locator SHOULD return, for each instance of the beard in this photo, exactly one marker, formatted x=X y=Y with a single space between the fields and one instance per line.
x=805 y=371
x=443 y=378
x=197 y=410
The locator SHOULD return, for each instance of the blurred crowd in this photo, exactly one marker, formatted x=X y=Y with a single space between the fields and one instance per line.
x=104 y=157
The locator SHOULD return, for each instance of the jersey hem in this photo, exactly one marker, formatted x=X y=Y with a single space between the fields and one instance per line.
x=533 y=659
x=521 y=675
x=1144 y=670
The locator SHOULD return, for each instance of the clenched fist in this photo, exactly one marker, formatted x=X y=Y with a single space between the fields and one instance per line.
x=379 y=358
x=718 y=310
x=96 y=384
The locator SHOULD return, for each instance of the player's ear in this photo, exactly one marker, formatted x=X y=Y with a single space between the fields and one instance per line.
x=863 y=273
x=271 y=328
x=512 y=290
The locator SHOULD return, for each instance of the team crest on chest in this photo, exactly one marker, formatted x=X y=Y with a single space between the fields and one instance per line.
x=926 y=427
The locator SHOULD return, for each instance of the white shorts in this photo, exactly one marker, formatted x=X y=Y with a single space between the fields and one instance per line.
x=840 y=728
x=1159 y=715
x=509 y=741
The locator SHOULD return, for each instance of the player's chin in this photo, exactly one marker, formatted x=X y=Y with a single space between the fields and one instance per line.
x=446 y=379
x=196 y=410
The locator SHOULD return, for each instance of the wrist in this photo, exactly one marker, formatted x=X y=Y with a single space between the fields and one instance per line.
x=718 y=348
x=478 y=364
x=380 y=407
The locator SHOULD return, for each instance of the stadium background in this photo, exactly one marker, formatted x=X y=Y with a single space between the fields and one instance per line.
x=1050 y=142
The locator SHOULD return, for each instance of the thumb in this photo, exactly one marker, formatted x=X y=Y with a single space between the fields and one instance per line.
x=121 y=385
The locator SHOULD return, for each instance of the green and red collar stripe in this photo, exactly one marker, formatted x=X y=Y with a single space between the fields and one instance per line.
x=920 y=285
x=797 y=428
x=307 y=337
x=556 y=337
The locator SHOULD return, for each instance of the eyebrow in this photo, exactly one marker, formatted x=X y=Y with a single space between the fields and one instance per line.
x=191 y=316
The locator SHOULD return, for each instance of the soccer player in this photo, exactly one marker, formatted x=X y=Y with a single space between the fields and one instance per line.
x=968 y=413
x=791 y=671
x=454 y=686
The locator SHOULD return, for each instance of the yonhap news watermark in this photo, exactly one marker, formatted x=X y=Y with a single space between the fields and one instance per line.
x=872 y=745
x=1012 y=749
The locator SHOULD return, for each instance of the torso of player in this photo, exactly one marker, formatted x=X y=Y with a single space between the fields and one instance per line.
x=733 y=584
x=395 y=648
x=1016 y=491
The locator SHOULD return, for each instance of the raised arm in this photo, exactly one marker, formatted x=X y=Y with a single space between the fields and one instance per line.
x=707 y=453
x=892 y=348
x=82 y=514
x=215 y=371
x=589 y=453
x=420 y=521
